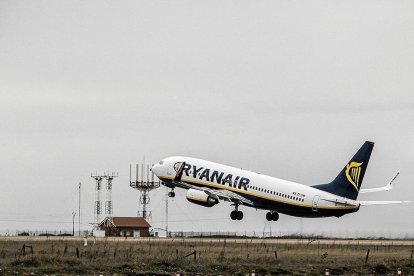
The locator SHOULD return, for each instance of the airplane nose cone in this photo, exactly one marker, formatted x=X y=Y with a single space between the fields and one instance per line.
x=156 y=169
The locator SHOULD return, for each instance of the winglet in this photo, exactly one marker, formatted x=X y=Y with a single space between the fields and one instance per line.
x=389 y=186
x=179 y=174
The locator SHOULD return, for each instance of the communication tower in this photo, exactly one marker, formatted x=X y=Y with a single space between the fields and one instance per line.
x=144 y=186
x=98 y=194
x=108 y=203
x=98 y=206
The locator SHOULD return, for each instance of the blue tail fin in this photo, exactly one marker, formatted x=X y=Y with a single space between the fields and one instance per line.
x=349 y=180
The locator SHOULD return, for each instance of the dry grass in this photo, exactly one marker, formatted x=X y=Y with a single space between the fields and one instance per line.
x=166 y=257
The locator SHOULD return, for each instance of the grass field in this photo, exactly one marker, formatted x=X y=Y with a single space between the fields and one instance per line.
x=69 y=256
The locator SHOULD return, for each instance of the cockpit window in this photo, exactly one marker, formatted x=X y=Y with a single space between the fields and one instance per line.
x=161 y=162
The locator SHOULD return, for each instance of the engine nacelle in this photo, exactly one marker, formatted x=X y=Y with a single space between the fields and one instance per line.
x=201 y=198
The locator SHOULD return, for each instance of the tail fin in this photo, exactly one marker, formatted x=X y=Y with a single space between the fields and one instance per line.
x=349 y=180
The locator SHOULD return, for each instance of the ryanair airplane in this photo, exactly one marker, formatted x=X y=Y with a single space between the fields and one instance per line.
x=208 y=183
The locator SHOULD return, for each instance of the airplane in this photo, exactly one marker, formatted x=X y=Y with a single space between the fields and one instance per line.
x=208 y=183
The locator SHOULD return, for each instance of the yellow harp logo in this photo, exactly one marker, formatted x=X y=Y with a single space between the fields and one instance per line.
x=352 y=172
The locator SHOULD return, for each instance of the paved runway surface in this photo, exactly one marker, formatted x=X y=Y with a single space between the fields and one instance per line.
x=228 y=240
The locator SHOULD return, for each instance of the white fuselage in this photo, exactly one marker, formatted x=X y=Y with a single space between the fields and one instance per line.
x=266 y=192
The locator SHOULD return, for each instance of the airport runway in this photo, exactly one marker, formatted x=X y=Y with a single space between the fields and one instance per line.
x=208 y=240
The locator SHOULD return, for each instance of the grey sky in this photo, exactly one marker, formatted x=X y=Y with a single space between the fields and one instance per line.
x=287 y=88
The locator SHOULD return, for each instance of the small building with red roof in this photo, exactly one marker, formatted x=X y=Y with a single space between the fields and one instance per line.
x=125 y=227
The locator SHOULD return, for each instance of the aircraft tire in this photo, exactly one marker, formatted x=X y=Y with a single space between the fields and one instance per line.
x=239 y=215
x=171 y=194
x=269 y=216
x=275 y=216
x=233 y=215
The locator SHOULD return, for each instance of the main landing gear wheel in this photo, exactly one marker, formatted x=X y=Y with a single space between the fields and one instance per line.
x=171 y=194
x=272 y=216
x=236 y=215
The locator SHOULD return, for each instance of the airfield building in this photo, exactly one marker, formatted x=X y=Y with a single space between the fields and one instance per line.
x=125 y=227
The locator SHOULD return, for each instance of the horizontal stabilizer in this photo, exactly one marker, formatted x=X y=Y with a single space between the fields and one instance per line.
x=337 y=202
x=367 y=203
x=388 y=187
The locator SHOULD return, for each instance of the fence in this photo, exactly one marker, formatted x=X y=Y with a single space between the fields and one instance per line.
x=172 y=234
x=189 y=234
x=40 y=233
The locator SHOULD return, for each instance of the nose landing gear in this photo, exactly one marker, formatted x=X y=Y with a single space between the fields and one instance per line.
x=171 y=194
x=272 y=216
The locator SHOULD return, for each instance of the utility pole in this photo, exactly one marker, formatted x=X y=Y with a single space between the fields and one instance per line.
x=79 y=212
x=166 y=213
x=73 y=223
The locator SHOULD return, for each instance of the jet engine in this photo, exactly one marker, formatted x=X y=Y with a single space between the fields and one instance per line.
x=201 y=198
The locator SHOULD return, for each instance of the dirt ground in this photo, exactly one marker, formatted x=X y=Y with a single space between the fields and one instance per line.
x=203 y=256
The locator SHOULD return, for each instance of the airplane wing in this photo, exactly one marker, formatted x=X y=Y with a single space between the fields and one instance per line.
x=368 y=203
x=388 y=187
x=228 y=196
x=220 y=193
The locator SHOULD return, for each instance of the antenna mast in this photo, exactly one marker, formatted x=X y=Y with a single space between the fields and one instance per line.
x=108 y=204
x=98 y=207
x=144 y=185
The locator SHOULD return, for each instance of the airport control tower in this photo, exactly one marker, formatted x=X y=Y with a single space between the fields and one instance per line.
x=144 y=183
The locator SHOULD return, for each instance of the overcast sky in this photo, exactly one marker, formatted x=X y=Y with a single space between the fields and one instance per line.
x=286 y=88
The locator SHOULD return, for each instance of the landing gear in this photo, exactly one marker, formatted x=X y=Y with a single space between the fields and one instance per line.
x=236 y=215
x=272 y=216
x=171 y=194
